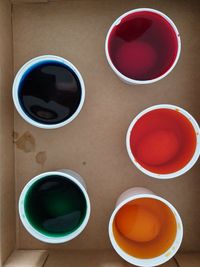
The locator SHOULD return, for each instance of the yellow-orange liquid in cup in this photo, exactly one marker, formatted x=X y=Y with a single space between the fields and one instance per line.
x=145 y=228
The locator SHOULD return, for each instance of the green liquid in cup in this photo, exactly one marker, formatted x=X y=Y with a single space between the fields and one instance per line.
x=55 y=206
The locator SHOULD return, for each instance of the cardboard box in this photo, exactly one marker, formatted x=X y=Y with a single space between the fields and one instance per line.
x=94 y=143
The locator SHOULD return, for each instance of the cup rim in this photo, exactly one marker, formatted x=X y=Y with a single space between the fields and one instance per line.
x=124 y=77
x=167 y=255
x=192 y=161
x=35 y=233
x=17 y=81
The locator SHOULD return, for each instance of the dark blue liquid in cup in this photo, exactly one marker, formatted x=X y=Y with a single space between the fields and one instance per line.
x=50 y=92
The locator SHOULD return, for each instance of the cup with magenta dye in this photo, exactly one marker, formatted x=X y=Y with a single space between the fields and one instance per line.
x=48 y=92
x=144 y=228
x=163 y=141
x=142 y=46
x=54 y=207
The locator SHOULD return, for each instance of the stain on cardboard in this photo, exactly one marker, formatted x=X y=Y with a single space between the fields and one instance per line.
x=15 y=136
x=84 y=162
x=41 y=157
x=168 y=254
x=26 y=142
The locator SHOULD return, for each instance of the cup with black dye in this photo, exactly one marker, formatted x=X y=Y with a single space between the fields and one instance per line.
x=48 y=92
x=54 y=207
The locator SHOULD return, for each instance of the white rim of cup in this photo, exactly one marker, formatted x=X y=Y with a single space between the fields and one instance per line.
x=37 y=234
x=122 y=76
x=153 y=261
x=17 y=81
x=194 y=158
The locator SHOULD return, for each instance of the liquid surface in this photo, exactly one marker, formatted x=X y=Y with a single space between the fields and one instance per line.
x=143 y=46
x=141 y=225
x=50 y=92
x=163 y=141
x=145 y=228
x=55 y=206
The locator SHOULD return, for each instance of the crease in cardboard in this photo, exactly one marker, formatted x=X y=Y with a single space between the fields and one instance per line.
x=29 y=1
x=15 y=135
x=176 y=261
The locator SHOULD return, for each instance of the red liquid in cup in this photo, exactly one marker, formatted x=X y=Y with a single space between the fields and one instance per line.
x=143 y=46
x=163 y=141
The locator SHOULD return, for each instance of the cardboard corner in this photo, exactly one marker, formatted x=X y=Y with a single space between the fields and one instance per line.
x=24 y=258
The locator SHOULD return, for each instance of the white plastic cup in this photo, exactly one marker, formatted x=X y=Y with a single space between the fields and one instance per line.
x=192 y=161
x=133 y=194
x=126 y=79
x=69 y=175
x=19 y=77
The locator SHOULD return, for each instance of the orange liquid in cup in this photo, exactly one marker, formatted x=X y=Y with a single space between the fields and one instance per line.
x=145 y=228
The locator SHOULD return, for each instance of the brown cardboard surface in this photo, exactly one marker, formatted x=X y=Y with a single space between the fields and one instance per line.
x=101 y=258
x=7 y=209
x=188 y=259
x=94 y=143
x=25 y=258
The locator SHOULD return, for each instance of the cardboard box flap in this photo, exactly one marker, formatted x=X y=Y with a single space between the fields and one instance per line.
x=7 y=184
x=27 y=258
x=88 y=258
x=188 y=259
